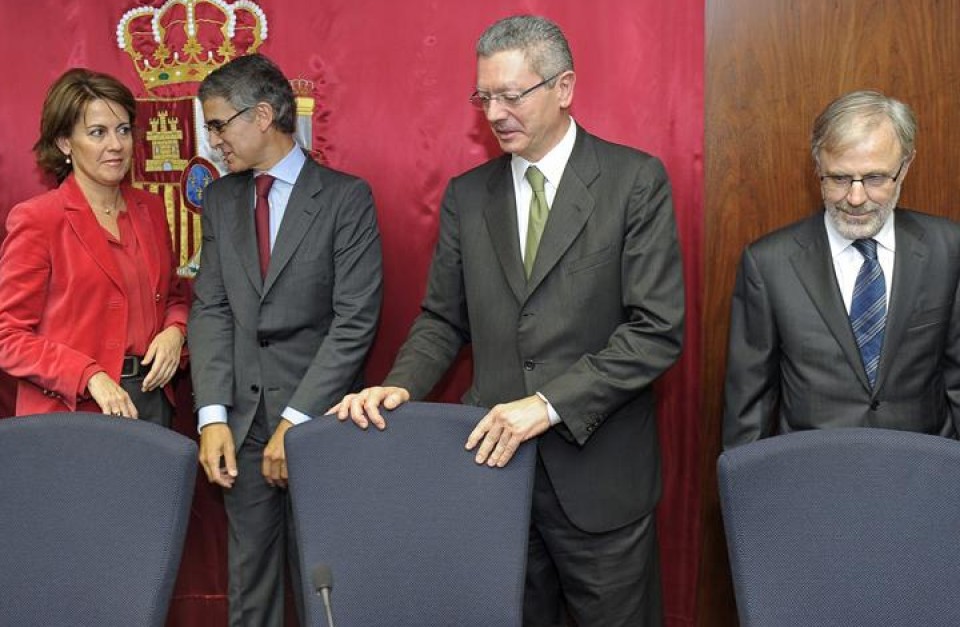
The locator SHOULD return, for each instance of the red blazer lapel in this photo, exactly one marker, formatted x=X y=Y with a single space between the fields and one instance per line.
x=92 y=237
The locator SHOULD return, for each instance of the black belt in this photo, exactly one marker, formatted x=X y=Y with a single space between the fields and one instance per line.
x=132 y=367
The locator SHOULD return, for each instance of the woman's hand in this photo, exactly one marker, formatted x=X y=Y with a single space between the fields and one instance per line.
x=163 y=357
x=112 y=399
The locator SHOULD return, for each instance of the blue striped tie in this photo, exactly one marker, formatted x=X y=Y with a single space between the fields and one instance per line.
x=868 y=311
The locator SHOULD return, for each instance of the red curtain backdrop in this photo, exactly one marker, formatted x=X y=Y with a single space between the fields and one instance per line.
x=392 y=81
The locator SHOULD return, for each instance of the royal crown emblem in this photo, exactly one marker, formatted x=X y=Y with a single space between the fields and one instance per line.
x=174 y=46
x=182 y=41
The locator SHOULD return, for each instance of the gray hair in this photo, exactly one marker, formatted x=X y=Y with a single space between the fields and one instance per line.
x=541 y=41
x=249 y=80
x=837 y=126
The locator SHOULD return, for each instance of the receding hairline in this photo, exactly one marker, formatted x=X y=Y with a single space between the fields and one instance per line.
x=854 y=131
x=853 y=115
x=542 y=43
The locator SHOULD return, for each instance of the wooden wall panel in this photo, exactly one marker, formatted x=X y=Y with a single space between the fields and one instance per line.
x=771 y=67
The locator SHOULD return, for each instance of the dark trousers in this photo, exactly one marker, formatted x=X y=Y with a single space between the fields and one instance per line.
x=586 y=579
x=152 y=406
x=261 y=540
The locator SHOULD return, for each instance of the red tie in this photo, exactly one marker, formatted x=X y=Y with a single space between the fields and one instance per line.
x=261 y=216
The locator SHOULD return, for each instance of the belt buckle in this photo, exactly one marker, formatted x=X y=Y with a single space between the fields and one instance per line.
x=131 y=367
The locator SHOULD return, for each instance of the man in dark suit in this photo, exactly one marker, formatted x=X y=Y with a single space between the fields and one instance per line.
x=568 y=284
x=850 y=317
x=285 y=308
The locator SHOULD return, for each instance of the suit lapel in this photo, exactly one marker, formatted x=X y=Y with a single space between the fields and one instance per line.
x=500 y=214
x=89 y=233
x=244 y=230
x=813 y=265
x=909 y=268
x=572 y=207
x=299 y=214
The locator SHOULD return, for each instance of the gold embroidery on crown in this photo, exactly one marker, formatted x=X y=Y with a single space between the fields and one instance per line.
x=184 y=40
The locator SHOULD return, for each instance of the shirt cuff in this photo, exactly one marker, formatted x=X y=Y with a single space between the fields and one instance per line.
x=211 y=414
x=294 y=416
x=551 y=412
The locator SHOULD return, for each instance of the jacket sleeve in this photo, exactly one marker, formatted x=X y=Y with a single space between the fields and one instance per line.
x=210 y=328
x=650 y=339
x=25 y=281
x=752 y=388
x=951 y=362
x=357 y=293
x=176 y=310
x=442 y=328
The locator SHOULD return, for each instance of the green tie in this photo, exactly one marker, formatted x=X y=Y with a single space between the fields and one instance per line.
x=538 y=217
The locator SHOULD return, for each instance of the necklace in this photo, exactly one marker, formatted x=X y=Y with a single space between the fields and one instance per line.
x=116 y=199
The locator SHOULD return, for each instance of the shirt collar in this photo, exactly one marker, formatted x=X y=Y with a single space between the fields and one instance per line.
x=553 y=163
x=886 y=237
x=288 y=169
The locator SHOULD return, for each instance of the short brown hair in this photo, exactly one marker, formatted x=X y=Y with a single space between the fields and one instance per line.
x=66 y=101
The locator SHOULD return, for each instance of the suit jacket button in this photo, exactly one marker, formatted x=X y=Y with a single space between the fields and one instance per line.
x=254 y=388
x=529 y=365
x=875 y=405
x=156 y=297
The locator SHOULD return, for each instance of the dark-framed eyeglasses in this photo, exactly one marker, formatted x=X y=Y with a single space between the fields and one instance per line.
x=482 y=100
x=217 y=126
x=840 y=184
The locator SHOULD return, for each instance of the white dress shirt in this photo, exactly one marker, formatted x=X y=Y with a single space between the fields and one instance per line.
x=551 y=166
x=847 y=259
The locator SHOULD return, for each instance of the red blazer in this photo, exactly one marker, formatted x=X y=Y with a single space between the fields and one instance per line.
x=62 y=305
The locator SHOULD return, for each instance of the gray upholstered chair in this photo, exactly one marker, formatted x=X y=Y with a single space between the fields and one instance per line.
x=413 y=530
x=846 y=527
x=93 y=515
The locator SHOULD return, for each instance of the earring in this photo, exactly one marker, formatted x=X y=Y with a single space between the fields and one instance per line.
x=68 y=159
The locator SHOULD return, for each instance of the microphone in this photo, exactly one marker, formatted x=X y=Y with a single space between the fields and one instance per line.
x=323 y=583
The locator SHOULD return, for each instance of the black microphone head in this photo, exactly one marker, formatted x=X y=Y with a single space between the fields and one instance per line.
x=322 y=577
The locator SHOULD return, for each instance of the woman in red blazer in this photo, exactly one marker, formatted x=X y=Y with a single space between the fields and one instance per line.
x=92 y=313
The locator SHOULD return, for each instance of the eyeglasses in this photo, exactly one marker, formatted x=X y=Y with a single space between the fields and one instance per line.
x=217 y=126
x=840 y=184
x=481 y=100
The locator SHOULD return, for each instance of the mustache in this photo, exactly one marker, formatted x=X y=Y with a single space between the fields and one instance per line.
x=868 y=207
x=502 y=127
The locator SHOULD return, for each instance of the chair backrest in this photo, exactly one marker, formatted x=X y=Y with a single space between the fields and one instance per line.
x=844 y=527
x=93 y=514
x=414 y=531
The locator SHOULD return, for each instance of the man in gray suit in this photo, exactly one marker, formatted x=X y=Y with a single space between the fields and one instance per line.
x=568 y=283
x=285 y=308
x=850 y=317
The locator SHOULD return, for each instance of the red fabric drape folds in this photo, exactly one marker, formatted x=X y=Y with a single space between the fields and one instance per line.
x=392 y=81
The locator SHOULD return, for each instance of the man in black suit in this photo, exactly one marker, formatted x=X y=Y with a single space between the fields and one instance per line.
x=568 y=283
x=285 y=308
x=850 y=317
